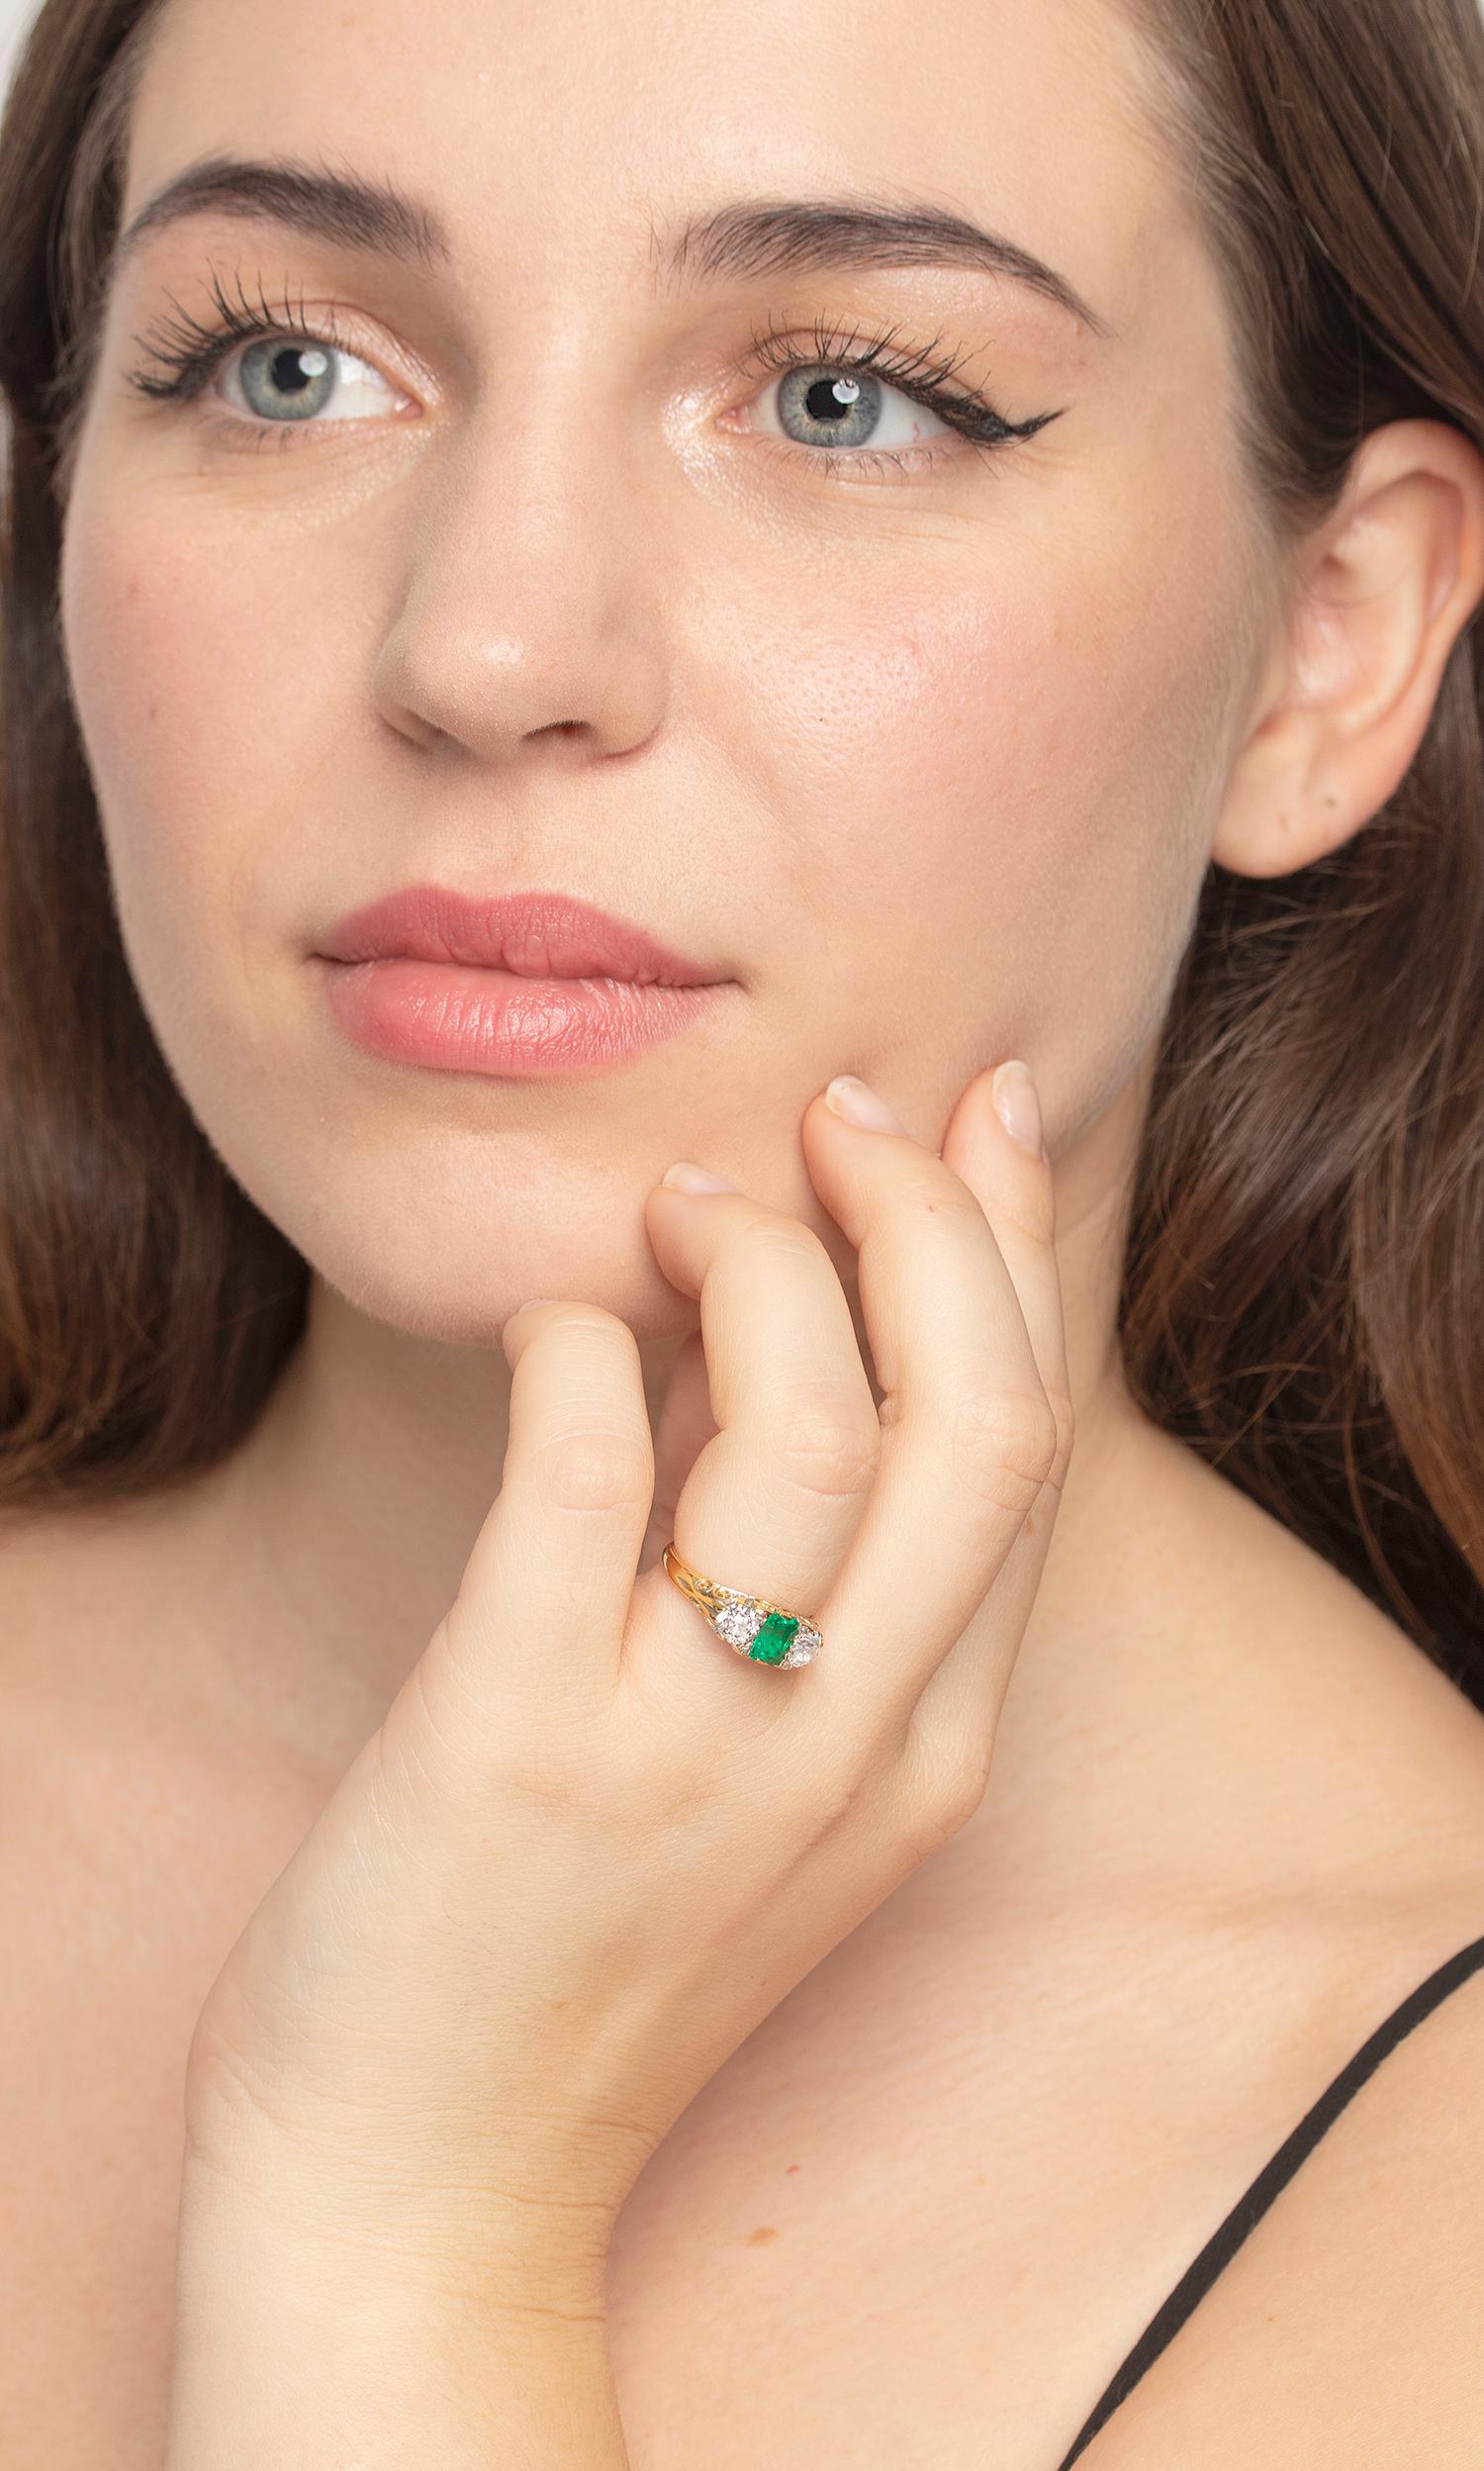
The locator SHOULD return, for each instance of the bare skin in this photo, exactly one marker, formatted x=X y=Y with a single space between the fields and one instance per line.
x=1233 y=1815
x=946 y=2184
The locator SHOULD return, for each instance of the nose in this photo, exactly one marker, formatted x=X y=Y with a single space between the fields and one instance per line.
x=525 y=610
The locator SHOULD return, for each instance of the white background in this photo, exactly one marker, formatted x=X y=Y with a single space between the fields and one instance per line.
x=15 y=16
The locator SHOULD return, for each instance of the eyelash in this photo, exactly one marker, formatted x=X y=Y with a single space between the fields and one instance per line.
x=189 y=351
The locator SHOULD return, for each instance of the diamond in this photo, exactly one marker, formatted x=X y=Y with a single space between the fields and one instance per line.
x=780 y=1639
x=738 y=1624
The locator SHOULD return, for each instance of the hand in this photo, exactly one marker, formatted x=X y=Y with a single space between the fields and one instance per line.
x=590 y=1847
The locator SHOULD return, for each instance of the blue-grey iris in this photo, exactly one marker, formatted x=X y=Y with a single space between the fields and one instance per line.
x=305 y=370
x=837 y=408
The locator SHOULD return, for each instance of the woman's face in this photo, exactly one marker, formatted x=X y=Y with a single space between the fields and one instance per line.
x=538 y=578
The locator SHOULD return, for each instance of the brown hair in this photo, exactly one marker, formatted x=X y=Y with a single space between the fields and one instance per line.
x=1303 y=1297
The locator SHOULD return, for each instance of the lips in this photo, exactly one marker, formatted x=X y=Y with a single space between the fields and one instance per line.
x=531 y=934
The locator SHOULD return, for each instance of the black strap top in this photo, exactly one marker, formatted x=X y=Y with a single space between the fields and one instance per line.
x=1250 y=2207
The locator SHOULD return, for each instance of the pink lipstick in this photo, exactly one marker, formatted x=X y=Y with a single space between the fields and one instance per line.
x=515 y=984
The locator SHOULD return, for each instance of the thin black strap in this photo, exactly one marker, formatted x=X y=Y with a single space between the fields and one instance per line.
x=1250 y=2207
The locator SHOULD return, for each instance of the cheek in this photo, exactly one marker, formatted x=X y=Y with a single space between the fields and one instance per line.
x=212 y=691
x=207 y=721
x=1000 y=807
x=148 y=652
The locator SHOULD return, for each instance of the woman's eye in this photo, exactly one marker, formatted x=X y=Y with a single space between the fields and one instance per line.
x=841 y=411
x=830 y=404
x=281 y=381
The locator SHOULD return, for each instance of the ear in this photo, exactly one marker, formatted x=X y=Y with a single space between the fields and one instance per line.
x=1384 y=588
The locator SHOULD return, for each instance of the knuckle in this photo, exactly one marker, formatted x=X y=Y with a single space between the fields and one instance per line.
x=1027 y=1205
x=785 y=1240
x=949 y=1778
x=933 y=1191
x=959 y=1788
x=1066 y=1422
x=824 y=1447
x=592 y=1469
x=228 y=2094
x=1004 y=1447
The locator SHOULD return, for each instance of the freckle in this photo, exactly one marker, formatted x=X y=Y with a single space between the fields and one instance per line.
x=760 y=2237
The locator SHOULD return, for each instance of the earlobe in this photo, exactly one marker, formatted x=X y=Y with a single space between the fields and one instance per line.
x=1383 y=591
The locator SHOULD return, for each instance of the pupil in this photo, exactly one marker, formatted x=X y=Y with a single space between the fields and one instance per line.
x=824 y=404
x=287 y=371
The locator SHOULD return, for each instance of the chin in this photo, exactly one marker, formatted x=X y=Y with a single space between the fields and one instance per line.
x=454 y=1270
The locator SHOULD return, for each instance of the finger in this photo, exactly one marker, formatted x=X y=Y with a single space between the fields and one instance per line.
x=969 y=1435
x=683 y=1427
x=1020 y=1205
x=537 y=1629
x=772 y=1499
x=963 y=1700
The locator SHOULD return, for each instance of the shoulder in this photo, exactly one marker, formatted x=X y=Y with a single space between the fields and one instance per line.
x=1326 y=1707
x=1346 y=2330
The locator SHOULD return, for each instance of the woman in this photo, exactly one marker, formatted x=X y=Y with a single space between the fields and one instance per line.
x=824 y=560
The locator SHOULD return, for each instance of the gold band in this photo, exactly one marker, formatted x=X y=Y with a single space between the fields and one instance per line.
x=755 y=1627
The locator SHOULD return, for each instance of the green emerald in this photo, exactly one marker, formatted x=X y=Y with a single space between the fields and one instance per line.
x=775 y=1639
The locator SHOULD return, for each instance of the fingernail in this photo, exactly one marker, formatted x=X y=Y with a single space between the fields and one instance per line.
x=687 y=1177
x=528 y=1306
x=858 y=1103
x=1017 y=1105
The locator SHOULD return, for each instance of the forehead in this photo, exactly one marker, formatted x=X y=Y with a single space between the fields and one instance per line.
x=571 y=133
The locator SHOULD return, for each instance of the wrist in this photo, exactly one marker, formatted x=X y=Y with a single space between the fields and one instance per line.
x=468 y=2247
x=299 y=2342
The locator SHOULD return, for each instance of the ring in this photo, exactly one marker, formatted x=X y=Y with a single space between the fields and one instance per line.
x=767 y=1633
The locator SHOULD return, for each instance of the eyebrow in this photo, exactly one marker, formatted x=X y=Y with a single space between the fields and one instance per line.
x=745 y=240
